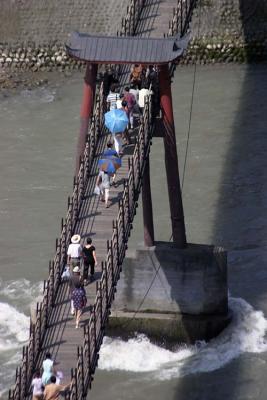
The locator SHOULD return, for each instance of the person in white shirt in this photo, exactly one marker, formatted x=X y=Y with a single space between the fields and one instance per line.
x=48 y=369
x=37 y=385
x=74 y=252
x=118 y=102
x=112 y=98
x=103 y=182
x=134 y=90
x=142 y=96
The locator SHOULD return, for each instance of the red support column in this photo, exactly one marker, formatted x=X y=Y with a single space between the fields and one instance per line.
x=171 y=159
x=147 y=208
x=86 y=109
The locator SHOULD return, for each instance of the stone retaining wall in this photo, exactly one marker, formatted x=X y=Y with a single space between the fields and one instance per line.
x=33 y=32
x=228 y=31
x=42 y=22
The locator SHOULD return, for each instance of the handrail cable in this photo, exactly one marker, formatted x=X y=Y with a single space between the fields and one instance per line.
x=191 y=104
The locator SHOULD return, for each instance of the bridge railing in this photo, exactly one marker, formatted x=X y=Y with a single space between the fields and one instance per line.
x=129 y=22
x=44 y=308
x=111 y=268
x=182 y=15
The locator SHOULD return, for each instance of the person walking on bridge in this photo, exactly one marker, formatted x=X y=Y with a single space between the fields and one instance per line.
x=48 y=369
x=79 y=299
x=74 y=252
x=112 y=98
x=130 y=99
x=103 y=182
x=37 y=385
x=75 y=279
x=89 y=260
x=53 y=390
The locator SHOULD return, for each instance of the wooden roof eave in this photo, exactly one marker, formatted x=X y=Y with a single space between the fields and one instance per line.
x=82 y=44
x=76 y=57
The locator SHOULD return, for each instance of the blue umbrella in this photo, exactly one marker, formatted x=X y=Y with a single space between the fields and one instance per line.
x=115 y=159
x=109 y=165
x=110 y=153
x=116 y=120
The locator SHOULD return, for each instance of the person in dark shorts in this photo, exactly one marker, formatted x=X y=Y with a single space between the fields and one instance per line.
x=89 y=260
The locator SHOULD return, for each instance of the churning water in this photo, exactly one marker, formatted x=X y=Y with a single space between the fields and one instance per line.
x=15 y=301
x=244 y=334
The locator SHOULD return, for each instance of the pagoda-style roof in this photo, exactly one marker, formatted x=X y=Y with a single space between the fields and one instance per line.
x=125 y=49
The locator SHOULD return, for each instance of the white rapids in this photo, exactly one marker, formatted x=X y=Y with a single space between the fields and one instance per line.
x=245 y=333
x=15 y=300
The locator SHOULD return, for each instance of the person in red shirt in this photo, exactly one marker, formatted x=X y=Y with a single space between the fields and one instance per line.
x=130 y=98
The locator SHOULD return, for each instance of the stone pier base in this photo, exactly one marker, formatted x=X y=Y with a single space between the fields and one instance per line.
x=172 y=295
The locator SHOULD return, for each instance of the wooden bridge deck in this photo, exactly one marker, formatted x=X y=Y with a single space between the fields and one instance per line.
x=95 y=221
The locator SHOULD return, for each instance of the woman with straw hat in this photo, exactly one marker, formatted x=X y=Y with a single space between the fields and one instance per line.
x=74 y=252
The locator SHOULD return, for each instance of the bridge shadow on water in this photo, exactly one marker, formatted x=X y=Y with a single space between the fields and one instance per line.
x=240 y=226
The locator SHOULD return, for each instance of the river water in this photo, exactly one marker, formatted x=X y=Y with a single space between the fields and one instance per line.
x=223 y=173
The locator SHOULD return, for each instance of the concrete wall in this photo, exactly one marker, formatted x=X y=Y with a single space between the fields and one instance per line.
x=240 y=19
x=228 y=30
x=172 y=294
x=33 y=32
x=48 y=21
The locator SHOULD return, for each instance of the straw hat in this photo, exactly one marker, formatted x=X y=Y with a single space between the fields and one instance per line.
x=75 y=239
x=76 y=269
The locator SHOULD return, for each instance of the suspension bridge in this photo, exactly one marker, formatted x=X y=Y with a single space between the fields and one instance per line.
x=77 y=350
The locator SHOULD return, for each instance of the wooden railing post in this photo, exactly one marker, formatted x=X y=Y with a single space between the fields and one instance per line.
x=99 y=291
x=121 y=207
x=82 y=187
x=75 y=199
x=111 y=258
x=53 y=284
x=94 y=321
x=116 y=228
x=133 y=173
x=69 y=223
x=106 y=280
x=89 y=366
x=20 y=383
x=127 y=195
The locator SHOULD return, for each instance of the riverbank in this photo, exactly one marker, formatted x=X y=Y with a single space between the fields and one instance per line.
x=12 y=80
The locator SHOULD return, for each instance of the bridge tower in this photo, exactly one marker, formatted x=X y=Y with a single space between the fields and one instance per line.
x=145 y=51
x=194 y=277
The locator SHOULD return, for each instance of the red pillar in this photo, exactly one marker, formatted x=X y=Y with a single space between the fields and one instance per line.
x=86 y=109
x=171 y=159
x=147 y=208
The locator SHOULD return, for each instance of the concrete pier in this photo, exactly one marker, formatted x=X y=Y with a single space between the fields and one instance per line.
x=172 y=295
